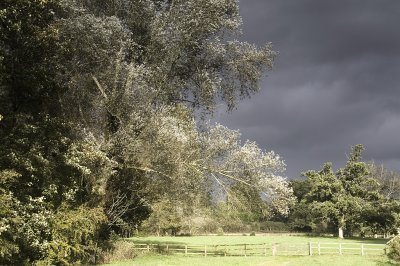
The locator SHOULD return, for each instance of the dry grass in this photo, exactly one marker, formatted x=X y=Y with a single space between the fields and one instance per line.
x=121 y=250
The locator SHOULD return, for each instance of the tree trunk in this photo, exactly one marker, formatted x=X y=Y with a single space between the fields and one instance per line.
x=341 y=227
x=341 y=232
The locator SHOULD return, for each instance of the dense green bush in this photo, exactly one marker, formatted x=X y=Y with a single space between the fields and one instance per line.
x=75 y=237
x=47 y=184
x=394 y=248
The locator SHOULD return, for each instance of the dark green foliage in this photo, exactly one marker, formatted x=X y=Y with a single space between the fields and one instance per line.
x=28 y=44
x=300 y=188
x=382 y=216
x=300 y=217
x=349 y=200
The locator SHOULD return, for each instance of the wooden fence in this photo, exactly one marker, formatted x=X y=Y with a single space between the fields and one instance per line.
x=318 y=248
x=275 y=249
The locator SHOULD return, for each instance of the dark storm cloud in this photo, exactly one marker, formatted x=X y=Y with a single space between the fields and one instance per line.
x=336 y=81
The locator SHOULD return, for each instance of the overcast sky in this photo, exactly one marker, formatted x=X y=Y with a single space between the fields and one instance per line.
x=336 y=81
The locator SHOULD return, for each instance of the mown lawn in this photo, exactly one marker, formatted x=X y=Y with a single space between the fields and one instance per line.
x=179 y=259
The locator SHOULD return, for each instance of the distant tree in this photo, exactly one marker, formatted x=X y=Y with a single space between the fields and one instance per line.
x=341 y=198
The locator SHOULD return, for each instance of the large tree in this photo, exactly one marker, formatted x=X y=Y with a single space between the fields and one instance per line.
x=99 y=100
x=342 y=197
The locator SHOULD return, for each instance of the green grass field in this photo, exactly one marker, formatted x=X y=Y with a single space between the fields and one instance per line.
x=159 y=260
x=152 y=259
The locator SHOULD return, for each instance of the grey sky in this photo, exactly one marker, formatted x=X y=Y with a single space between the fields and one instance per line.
x=336 y=81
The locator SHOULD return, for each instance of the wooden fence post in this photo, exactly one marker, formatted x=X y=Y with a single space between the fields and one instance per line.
x=245 y=249
x=309 y=248
x=185 y=250
x=148 y=247
x=273 y=249
x=362 y=249
x=340 y=248
x=205 y=250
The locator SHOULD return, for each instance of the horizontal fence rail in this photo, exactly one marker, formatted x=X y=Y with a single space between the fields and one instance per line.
x=275 y=249
x=318 y=248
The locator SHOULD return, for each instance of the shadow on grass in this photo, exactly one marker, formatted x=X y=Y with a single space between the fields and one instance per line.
x=386 y=263
x=154 y=242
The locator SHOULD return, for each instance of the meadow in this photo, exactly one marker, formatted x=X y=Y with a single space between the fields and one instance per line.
x=180 y=259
